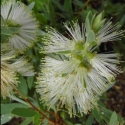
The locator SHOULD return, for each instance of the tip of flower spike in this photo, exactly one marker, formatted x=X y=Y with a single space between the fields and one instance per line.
x=8 y=79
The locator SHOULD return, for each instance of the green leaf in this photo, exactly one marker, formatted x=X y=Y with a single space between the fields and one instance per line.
x=7 y=108
x=68 y=5
x=101 y=122
x=30 y=7
x=90 y=16
x=34 y=102
x=41 y=105
x=122 y=21
x=29 y=53
x=105 y=118
x=90 y=120
x=87 y=24
x=40 y=33
x=45 y=122
x=14 y=98
x=6 y=118
x=67 y=122
x=97 y=20
x=26 y=121
x=36 y=119
x=113 y=119
x=57 y=3
x=96 y=113
x=78 y=3
x=100 y=25
x=51 y=13
x=30 y=80
x=44 y=1
x=22 y=86
x=23 y=112
x=90 y=36
x=4 y=38
x=63 y=115
x=9 y=30
x=42 y=18
x=106 y=112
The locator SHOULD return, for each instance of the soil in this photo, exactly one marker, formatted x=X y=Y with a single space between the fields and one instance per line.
x=116 y=96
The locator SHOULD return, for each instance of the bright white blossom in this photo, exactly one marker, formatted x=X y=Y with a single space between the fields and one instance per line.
x=77 y=74
x=18 y=18
x=9 y=69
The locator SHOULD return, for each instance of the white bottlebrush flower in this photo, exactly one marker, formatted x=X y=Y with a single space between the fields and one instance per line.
x=16 y=16
x=8 y=80
x=23 y=67
x=77 y=75
x=9 y=69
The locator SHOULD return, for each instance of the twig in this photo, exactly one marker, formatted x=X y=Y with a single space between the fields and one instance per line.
x=49 y=113
x=33 y=106
x=56 y=113
x=42 y=114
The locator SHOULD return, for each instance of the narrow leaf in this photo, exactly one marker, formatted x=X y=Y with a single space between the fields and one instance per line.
x=51 y=13
x=42 y=18
x=97 y=20
x=57 y=3
x=68 y=123
x=30 y=7
x=96 y=113
x=18 y=100
x=30 y=80
x=26 y=121
x=90 y=120
x=68 y=5
x=22 y=86
x=7 y=108
x=113 y=119
x=122 y=21
x=106 y=112
x=90 y=36
x=23 y=112
x=5 y=118
x=87 y=24
x=36 y=119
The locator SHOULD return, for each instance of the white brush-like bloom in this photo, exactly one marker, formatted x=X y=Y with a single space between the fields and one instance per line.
x=23 y=67
x=9 y=69
x=8 y=80
x=20 y=20
x=77 y=75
